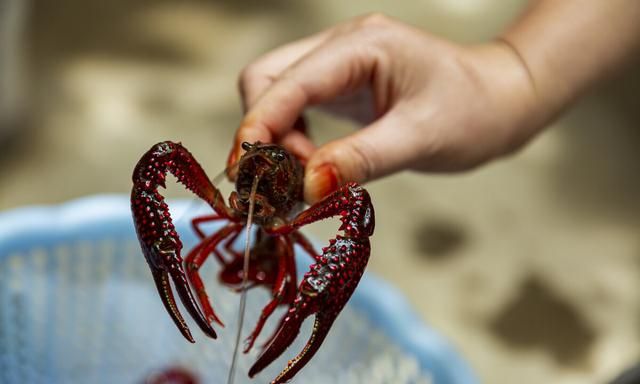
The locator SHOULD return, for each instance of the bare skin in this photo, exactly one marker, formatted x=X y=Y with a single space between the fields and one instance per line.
x=426 y=103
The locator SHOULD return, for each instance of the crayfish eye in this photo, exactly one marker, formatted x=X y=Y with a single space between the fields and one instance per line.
x=279 y=156
x=246 y=145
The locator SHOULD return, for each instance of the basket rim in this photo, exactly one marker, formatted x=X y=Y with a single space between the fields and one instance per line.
x=383 y=304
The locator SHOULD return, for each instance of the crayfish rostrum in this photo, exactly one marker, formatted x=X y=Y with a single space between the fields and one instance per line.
x=324 y=289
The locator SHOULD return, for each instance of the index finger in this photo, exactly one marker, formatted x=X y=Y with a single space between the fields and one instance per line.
x=335 y=66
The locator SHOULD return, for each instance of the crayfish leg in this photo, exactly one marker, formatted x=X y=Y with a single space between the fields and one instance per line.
x=305 y=244
x=197 y=221
x=284 y=283
x=196 y=258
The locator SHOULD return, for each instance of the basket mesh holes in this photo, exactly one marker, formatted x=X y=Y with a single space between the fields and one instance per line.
x=89 y=312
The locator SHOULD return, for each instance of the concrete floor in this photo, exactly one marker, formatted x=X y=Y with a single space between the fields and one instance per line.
x=530 y=265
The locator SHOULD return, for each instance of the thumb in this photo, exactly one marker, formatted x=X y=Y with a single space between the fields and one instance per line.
x=368 y=154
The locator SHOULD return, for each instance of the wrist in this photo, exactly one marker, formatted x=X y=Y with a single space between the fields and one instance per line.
x=552 y=91
x=567 y=47
x=517 y=108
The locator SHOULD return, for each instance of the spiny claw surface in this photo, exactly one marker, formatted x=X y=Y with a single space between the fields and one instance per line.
x=165 y=261
x=324 y=291
x=157 y=235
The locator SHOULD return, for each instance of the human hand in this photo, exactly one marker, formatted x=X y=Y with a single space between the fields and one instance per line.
x=430 y=104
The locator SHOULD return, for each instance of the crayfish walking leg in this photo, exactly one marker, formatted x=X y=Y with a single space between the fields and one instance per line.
x=284 y=286
x=197 y=257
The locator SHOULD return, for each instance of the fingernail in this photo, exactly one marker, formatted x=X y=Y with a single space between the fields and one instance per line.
x=320 y=182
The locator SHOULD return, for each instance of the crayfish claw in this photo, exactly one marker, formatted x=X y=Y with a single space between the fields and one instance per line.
x=164 y=289
x=168 y=263
x=157 y=235
x=321 y=327
x=324 y=291
x=286 y=335
x=180 y=282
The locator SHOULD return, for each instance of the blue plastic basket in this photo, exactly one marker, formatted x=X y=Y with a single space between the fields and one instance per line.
x=78 y=305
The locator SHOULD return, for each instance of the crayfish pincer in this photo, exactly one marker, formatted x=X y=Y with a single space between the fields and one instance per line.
x=277 y=197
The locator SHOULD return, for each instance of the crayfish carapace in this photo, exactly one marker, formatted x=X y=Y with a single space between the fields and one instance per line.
x=324 y=289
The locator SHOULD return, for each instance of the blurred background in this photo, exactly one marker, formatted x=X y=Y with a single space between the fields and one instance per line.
x=529 y=265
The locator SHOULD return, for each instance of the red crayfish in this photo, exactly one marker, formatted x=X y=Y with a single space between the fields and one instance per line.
x=324 y=289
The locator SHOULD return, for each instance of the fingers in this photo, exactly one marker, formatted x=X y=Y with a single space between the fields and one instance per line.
x=256 y=78
x=368 y=154
x=335 y=66
x=298 y=144
x=295 y=141
x=259 y=75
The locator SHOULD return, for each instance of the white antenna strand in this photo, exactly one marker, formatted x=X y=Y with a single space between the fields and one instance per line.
x=245 y=279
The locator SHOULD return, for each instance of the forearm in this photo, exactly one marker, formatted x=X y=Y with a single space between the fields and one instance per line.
x=568 y=45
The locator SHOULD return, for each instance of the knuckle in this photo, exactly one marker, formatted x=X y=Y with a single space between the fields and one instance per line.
x=377 y=30
x=295 y=87
x=362 y=160
x=375 y=19
x=245 y=75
